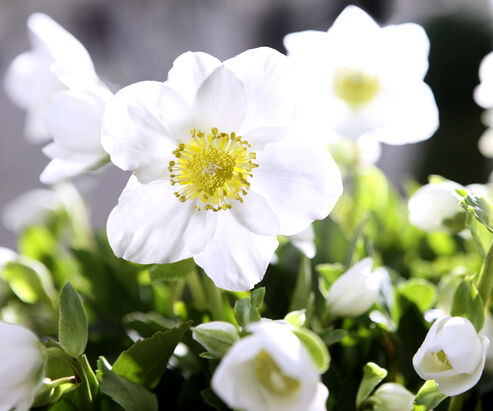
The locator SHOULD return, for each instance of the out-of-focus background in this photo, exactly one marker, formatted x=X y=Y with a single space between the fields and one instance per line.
x=134 y=40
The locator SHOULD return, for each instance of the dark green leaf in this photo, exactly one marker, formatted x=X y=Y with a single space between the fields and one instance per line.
x=468 y=303
x=247 y=310
x=173 y=271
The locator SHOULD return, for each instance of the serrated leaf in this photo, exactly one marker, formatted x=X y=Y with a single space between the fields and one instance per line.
x=173 y=271
x=146 y=360
x=131 y=396
x=372 y=375
x=429 y=396
x=247 y=310
x=316 y=348
x=468 y=303
x=420 y=292
x=72 y=322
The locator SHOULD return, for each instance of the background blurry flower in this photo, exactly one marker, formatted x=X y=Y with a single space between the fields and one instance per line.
x=452 y=354
x=22 y=362
x=392 y=397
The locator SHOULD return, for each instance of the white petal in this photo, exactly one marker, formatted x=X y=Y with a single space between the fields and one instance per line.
x=34 y=129
x=200 y=230
x=320 y=400
x=483 y=93
x=133 y=134
x=258 y=138
x=353 y=26
x=255 y=214
x=305 y=241
x=189 y=71
x=220 y=101
x=236 y=259
x=304 y=43
x=300 y=183
x=58 y=169
x=148 y=223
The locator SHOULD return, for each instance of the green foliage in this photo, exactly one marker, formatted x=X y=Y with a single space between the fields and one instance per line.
x=420 y=292
x=316 y=347
x=173 y=271
x=247 y=310
x=468 y=303
x=372 y=376
x=481 y=208
x=429 y=396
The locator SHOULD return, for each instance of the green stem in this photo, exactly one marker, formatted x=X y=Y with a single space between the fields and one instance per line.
x=197 y=291
x=215 y=299
x=455 y=403
x=485 y=280
x=91 y=379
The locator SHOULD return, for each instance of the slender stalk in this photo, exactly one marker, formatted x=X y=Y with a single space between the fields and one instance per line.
x=485 y=280
x=455 y=403
x=196 y=289
x=214 y=298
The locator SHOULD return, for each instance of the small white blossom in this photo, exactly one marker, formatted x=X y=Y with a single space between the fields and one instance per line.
x=269 y=370
x=305 y=241
x=392 y=397
x=216 y=175
x=452 y=354
x=22 y=362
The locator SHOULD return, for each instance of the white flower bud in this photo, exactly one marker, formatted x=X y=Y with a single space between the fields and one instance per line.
x=269 y=370
x=21 y=366
x=216 y=336
x=355 y=291
x=452 y=354
x=392 y=397
x=432 y=204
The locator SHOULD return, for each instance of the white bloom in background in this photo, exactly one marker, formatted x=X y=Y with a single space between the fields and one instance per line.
x=356 y=290
x=364 y=80
x=488 y=332
x=305 y=241
x=433 y=203
x=215 y=177
x=33 y=77
x=269 y=370
x=392 y=397
x=22 y=362
x=483 y=93
x=452 y=354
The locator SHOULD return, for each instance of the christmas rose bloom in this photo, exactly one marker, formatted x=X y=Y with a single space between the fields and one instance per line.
x=269 y=370
x=216 y=176
x=452 y=354
x=366 y=80
x=22 y=362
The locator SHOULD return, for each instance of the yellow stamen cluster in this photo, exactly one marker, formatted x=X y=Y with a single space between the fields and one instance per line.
x=442 y=357
x=212 y=169
x=354 y=86
x=271 y=375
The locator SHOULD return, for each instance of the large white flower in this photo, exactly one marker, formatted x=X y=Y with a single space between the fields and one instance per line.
x=22 y=363
x=364 y=80
x=452 y=354
x=216 y=177
x=269 y=370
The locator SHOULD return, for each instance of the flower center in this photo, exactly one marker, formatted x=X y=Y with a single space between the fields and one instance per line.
x=271 y=376
x=354 y=86
x=442 y=357
x=212 y=169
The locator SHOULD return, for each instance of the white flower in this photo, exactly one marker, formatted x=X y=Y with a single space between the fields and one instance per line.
x=483 y=93
x=367 y=80
x=269 y=370
x=356 y=290
x=392 y=397
x=22 y=362
x=452 y=354
x=488 y=332
x=215 y=176
x=433 y=203
x=56 y=58
x=305 y=241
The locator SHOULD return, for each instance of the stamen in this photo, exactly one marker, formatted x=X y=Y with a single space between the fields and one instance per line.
x=271 y=375
x=354 y=86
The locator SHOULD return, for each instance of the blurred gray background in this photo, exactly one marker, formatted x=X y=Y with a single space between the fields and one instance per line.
x=134 y=40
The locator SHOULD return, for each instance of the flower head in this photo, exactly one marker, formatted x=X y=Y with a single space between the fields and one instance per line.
x=269 y=370
x=366 y=79
x=216 y=177
x=22 y=362
x=392 y=397
x=452 y=354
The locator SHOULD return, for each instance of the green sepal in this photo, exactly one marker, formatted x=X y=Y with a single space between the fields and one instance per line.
x=372 y=375
x=429 y=396
x=315 y=347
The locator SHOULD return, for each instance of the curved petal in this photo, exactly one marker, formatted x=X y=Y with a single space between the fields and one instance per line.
x=200 y=230
x=258 y=138
x=148 y=223
x=189 y=71
x=235 y=258
x=320 y=400
x=133 y=134
x=255 y=214
x=305 y=43
x=300 y=183
x=59 y=169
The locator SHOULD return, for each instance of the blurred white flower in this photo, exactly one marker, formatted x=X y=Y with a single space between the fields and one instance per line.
x=365 y=81
x=215 y=177
x=452 y=354
x=305 y=241
x=483 y=93
x=392 y=397
x=488 y=332
x=431 y=204
x=269 y=370
x=21 y=367
x=33 y=77
x=356 y=290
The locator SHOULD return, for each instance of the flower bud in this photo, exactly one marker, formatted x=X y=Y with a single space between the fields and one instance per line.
x=216 y=336
x=452 y=354
x=392 y=397
x=355 y=291
x=21 y=367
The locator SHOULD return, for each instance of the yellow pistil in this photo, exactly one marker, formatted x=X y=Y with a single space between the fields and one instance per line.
x=354 y=86
x=212 y=169
x=271 y=376
x=442 y=357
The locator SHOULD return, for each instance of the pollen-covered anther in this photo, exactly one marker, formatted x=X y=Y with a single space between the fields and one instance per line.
x=212 y=169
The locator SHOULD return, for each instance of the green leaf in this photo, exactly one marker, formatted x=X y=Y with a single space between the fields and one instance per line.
x=173 y=271
x=131 y=396
x=211 y=399
x=303 y=286
x=296 y=318
x=72 y=322
x=420 y=292
x=482 y=209
x=429 y=396
x=332 y=336
x=316 y=347
x=146 y=360
x=468 y=303
x=372 y=375
x=247 y=310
